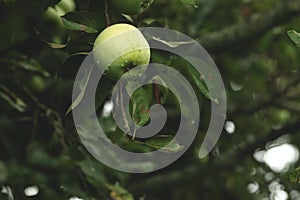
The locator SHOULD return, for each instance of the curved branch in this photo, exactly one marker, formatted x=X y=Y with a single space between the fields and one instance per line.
x=257 y=25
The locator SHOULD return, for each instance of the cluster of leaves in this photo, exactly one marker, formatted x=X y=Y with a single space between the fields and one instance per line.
x=40 y=58
x=295 y=37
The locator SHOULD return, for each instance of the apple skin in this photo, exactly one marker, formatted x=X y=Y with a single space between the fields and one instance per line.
x=51 y=14
x=119 y=48
x=60 y=9
x=65 y=6
x=131 y=7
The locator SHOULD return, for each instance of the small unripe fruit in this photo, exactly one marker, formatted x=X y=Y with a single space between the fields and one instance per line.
x=119 y=48
x=60 y=9
x=52 y=15
x=65 y=6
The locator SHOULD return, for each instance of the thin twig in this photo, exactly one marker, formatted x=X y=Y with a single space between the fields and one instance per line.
x=273 y=99
x=52 y=116
x=106 y=13
x=243 y=32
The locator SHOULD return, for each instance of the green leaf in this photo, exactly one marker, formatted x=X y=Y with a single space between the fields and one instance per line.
x=83 y=84
x=56 y=45
x=82 y=44
x=33 y=65
x=12 y=99
x=53 y=45
x=200 y=83
x=166 y=143
x=17 y=60
x=295 y=37
x=81 y=21
x=194 y=3
x=102 y=92
x=140 y=106
x=201 y=80
x=295 y=176
x=179 y=85
x=119 y=193
x=172 y=44
x=128 y=17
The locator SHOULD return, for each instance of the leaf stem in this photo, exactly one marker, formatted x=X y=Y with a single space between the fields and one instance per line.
x=106 y=13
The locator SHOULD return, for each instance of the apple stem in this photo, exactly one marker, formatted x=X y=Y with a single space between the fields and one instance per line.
x=134 y=132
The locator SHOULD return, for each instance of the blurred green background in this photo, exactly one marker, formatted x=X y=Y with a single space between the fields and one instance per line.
x=41 y=156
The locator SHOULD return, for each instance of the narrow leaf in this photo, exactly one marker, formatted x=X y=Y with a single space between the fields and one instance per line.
x=18 y=60
x=141 y=107
x=166 y=143
x=56 y=45
x=102 y=91
x=295 y=37
x=171 y=44
x=12 y=99
x=200 y=81
x=33 y=65
x=53 y=45
x=295 y=176
x=83 y=88
x=119 y=193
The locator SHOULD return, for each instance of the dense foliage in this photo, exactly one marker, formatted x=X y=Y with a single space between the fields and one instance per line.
x=255 y=46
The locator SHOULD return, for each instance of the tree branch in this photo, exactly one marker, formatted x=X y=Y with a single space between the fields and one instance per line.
x=273 y=100
x=214 y=42
x=171 y=179
x=256 y=26
x=53 y=116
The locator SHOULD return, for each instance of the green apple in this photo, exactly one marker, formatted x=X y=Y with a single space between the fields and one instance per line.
x=65 y=6
x=119 y=48
x=52 y=15
x=131 y=7
x=60 y=9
